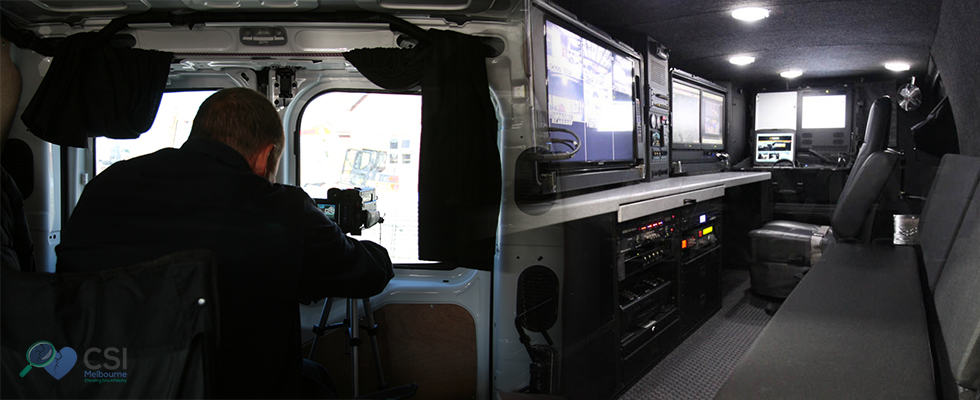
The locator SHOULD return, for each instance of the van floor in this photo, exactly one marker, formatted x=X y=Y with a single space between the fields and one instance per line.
x=700 y=365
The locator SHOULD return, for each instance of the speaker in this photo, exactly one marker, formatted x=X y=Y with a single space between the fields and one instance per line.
x=537 y=311
x=537 y=299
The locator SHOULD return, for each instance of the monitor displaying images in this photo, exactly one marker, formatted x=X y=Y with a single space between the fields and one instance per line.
x=590 y=93
x=686 y=107
x=772 y=147
x=712 y=118
x=698 y=116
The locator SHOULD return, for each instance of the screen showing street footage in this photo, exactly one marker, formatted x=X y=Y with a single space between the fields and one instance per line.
x=590 y=93
x=772 y=147
x=698 y=117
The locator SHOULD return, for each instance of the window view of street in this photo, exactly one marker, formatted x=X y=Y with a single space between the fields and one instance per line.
x=170 y=129
x=351 y=139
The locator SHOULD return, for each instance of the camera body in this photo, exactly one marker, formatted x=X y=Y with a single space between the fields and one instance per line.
x=353 y=210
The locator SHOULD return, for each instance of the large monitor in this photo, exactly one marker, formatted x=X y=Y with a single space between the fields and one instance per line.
x=584 y=95
x=771 y=147
x=590 y=92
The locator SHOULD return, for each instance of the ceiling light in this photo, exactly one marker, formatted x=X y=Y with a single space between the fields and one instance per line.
x=750 y=14
x=741 y=60
x=790 y=74
x=897 y=66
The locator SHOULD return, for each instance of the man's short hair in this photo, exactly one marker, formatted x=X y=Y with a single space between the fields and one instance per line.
x=241 y=118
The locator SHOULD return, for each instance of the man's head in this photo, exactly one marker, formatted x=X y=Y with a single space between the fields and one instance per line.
x=245 y=121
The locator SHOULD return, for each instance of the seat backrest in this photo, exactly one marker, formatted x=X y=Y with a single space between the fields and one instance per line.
x=875 y=133
x=143 y=331
x=943 y=214
x=860 y=194
x=957 y=298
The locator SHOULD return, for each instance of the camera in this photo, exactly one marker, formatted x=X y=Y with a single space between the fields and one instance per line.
x=353 y=210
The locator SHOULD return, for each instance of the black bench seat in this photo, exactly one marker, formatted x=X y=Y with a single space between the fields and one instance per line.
x=854 y=328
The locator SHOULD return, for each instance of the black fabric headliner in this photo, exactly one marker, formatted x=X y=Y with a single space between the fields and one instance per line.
x=823 y=38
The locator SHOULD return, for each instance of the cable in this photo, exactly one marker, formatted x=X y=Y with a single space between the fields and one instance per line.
x=573 y=144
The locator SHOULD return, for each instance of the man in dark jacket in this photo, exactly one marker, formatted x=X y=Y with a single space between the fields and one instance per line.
x=273 y=247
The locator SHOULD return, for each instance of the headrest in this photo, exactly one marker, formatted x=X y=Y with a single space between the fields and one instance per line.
x=879 y=121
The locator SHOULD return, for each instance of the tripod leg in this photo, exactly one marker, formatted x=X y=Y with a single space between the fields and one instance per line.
x=373 y=333
x=321 y=328
x=353 y=333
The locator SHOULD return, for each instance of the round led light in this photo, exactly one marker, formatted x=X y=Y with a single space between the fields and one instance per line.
x=897 y=66
x=741 y=60
x=790 y=74
x=750 y=14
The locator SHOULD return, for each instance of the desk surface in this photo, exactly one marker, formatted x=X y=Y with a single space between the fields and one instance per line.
x=608 y=201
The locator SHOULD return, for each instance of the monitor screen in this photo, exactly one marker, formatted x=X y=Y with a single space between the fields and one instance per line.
x=712 y=118
x=686 y=109
x=775 y=110
x=772 y=147
x=824 y=112
x=590 y=92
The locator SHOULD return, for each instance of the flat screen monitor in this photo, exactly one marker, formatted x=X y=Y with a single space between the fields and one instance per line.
x=824 y=111
x=771 y=147
x=698 y=115
x=686 y=109
x=775 y=110
x=712 y=118
x=590 y=92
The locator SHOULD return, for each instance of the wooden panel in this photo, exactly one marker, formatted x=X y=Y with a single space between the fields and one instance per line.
x=431 y=345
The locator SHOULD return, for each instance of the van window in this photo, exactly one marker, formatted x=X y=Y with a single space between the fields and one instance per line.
x=170 y=129
x=367 y=139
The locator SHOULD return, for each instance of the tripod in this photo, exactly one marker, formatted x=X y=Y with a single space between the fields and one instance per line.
x=352 y=327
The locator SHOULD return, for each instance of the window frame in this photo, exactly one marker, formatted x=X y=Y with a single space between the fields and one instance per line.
x=296 y=162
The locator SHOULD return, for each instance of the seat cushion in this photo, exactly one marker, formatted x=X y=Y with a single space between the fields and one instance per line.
x=854 y=328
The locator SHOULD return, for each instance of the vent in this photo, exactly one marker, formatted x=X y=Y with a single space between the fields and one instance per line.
x=806 y=135
x=838 y=141
x=658 y=71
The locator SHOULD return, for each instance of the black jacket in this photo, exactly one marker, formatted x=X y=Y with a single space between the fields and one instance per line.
x=18 y=250
x=273 y=250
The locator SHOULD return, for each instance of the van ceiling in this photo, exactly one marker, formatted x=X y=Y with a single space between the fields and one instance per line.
x=822 y=38
x=72 y=11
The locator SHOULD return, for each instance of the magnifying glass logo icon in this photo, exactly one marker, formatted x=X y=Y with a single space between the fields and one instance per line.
x=39 y=355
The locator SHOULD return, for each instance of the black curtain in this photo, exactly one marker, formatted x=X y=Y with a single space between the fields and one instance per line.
x=459 y=172
x=95 y=89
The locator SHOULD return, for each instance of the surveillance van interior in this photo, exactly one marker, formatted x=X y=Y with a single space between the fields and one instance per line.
x=580 y=199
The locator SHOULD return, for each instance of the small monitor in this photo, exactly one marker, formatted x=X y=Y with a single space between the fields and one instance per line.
x=712 y=118
x=771 y=147
x=686 y=108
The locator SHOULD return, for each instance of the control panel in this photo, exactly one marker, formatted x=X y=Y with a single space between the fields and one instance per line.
x=658 y=109
x=644 y=242
x=646 y=266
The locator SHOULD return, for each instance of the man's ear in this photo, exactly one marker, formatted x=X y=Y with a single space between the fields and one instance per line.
x=260 y=162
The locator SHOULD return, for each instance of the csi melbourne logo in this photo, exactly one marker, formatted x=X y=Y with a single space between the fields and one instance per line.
x=103 y=365
x=56 y=363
